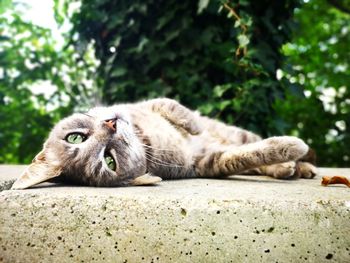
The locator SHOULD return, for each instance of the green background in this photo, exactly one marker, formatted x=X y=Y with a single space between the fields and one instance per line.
x=273 y=67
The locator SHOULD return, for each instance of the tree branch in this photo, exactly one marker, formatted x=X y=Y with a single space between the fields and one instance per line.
x=241 y=25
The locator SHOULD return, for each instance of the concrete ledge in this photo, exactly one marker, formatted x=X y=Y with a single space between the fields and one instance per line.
x=240 y=219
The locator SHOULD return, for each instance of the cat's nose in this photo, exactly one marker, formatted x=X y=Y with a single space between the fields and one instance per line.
x=111 y=124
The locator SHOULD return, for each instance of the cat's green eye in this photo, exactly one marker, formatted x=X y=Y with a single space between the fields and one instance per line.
x=110 y=162
x=75 y=138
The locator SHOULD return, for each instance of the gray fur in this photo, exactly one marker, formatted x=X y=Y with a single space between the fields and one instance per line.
x=160 y=138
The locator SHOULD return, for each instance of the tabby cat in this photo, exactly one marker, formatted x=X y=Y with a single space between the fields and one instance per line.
x=145 y=142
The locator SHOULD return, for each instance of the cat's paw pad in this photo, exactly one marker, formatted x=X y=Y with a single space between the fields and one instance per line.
x=306 y=170
x=282 y=170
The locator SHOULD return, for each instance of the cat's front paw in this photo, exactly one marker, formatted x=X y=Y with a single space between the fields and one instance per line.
x=288 y=148
x=192 y=127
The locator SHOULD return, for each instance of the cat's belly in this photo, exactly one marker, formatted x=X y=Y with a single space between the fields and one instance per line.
x=169 y=155
x=168 y=150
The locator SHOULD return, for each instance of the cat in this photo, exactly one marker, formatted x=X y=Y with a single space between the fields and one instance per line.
x=145 y=142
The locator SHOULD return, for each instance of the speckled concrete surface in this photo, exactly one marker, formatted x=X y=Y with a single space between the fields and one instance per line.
x=239 y=219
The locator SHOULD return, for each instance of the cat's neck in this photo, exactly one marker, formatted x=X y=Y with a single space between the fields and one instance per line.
x=144 y=139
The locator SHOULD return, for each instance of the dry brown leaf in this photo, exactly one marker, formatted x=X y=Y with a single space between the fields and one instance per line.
x=337 y=179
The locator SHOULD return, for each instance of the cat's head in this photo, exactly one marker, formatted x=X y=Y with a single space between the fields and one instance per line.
x=99 y=148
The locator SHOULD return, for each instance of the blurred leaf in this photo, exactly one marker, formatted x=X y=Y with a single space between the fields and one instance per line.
x=4 y=5
x=202 y=4
x=118 y=72
x=243 y=40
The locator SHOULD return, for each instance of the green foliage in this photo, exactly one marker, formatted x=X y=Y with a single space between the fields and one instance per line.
x=22 y=124
x=219 y=57
x=4 y=5
x=320 y=56
x=30 y=57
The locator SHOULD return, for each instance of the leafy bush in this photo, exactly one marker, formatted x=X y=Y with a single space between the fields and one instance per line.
x=219 y=57
x=30 y=59
x=320 y=55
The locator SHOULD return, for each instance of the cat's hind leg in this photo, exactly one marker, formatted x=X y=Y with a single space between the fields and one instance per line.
x=305 y=170
x=287 y=170
x=274 y=150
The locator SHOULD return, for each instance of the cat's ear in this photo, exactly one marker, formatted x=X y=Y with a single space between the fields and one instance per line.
x=146 y=179
x=37 y=172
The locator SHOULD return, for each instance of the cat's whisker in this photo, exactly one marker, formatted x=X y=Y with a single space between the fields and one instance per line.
x=87 y=114
x=150 y=158
x=164 y=164
x=149 y=146
x=158 y=149
x=160 y=162
x=155 y=160
x=158 y=157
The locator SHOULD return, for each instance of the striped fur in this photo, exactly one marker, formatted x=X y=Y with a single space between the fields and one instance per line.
x=163 y=139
